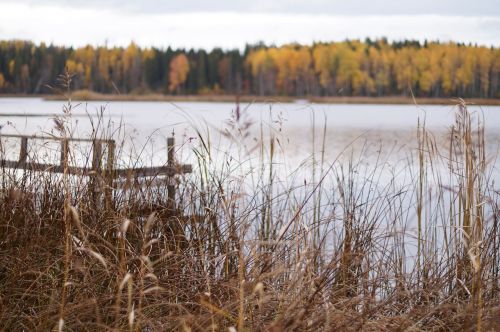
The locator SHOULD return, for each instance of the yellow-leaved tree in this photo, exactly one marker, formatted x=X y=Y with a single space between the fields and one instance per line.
x=179 y=69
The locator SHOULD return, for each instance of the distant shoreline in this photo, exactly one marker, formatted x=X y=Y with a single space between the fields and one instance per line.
x=392 y=100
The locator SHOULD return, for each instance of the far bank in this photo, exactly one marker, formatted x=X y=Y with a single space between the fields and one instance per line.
x=84 y=95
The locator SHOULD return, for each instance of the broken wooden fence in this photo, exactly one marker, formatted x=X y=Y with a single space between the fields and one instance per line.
x=96 y=171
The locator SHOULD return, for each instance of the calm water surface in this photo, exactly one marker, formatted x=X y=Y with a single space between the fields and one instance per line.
x=301 y=130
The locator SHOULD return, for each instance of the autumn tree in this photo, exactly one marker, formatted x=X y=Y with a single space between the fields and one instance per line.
x=179 y=69
x=348 y=68
x=263 y=70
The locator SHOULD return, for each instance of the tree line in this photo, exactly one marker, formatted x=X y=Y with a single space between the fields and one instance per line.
x=349 y=68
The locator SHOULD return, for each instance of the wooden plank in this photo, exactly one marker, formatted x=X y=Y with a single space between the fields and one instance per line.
x=40 y=167
x=153 y=171
x=55 y=138
x=123 y=173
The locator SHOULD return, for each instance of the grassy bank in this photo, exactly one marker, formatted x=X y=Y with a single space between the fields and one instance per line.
x=85 y=95
x=247 y=249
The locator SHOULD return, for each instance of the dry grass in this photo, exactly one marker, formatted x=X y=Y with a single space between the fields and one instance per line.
x=338 y=253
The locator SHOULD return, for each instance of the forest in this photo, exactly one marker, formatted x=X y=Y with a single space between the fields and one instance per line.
x=348 y=68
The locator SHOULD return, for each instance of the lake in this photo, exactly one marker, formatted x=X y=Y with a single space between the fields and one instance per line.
x=379 y=140
x=301 y=130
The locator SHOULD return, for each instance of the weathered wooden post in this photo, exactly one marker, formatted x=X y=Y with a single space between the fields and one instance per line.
x=64 y=154
x=109 y=175
x=173 y=169
x=96 y=171
x=96 y=155
x=23 y=153
x=170 y=178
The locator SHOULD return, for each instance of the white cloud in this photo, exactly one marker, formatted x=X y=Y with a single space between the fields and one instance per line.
x=331 y=7
x=80 y=26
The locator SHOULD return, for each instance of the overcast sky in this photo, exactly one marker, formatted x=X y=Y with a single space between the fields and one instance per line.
x=229 y=24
